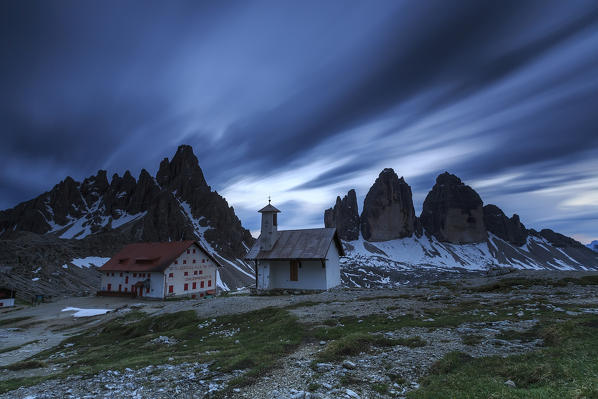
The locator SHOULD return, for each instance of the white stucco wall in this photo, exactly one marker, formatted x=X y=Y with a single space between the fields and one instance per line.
x=160 y=282
x=263 y=276
x=333 y=268
x=311 y=275
x=6 y=302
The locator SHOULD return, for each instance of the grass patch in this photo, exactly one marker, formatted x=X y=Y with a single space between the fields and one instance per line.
x=471 y=339
x=252 y=341
x=14 y=348
x=508 y=284
x=313 y=386
x=353 y=344
x=380 y=387
x=14 y=320
x=25 y=365
x=565 y=368
x=15 y=383
x=397 y=378
x=411 y=342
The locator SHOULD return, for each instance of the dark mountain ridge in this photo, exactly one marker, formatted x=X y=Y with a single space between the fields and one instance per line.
x=454 y=229
x=98 y=216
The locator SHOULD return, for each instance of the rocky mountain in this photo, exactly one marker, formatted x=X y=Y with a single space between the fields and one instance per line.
x=453 y=212
x=509 y=229
x=388 y=211
x=344 y=216
x=98 y=216
x=455 y=233
x=593 y=245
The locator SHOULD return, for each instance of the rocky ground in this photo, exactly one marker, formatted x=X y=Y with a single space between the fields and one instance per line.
x=411 y=329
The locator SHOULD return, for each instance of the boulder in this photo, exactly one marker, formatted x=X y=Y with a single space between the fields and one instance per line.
x=452 y=212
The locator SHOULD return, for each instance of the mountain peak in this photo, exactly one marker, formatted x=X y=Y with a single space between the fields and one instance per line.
x=388 y=211
x=183 y=169
x=448 y=179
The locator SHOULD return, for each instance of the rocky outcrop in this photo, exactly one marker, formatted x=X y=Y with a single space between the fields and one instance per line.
x=388 y=211
x=509 y=229
x=177 y=204
x=452 y=212
x=558 y=240
x=344 y=216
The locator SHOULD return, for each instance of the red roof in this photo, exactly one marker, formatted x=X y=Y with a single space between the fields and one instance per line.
x=150 y=256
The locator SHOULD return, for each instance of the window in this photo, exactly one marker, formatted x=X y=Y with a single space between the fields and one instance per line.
x=121 y=274
x=194 y=285
x=274 y=220
x=194 y=251
x=126 y=289
x=109 y=287
x=201 y=284
x=126 y=280
x=201 y=272
x=209 y=283
x=171 y=275
x=188 y=251
x=112 y=274
x=170 y=289
x=176 y=262
x=147 y=290
x=184 y=262
x=120 y=287
x=134 y=274
x=294 y=270
x=193 y=260
x=186 y=273
x=195 y=273
x=203 y=261
x=186 y=287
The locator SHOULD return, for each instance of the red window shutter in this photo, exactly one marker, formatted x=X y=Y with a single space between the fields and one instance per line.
x=186 y=273
x=188 y=251
x=194 y=285
x=184 y=262
x=170 y=275
x=127 y=280
x=193 y=250
x=201 y=285
x=209 y=283
x=170 y=289
x=121 y=274
x=120 y=287
x=126 y=289
x=109 y=287
x=201 y=272
x=147 y=290
x=186 y=287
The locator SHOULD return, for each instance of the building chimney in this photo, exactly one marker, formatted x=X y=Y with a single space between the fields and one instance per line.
x=269 y=230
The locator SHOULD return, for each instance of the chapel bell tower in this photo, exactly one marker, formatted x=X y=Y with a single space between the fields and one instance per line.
x=269 y=227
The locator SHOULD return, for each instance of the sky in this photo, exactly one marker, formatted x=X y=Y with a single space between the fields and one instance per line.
x=302 y=101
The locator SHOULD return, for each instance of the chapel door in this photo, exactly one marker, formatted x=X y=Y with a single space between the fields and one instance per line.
x=294 y=270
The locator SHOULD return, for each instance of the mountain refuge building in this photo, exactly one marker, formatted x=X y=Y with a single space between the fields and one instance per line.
x=160 y=270
x=305 y=259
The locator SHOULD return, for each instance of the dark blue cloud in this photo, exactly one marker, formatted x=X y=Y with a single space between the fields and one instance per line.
x=500 y=92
